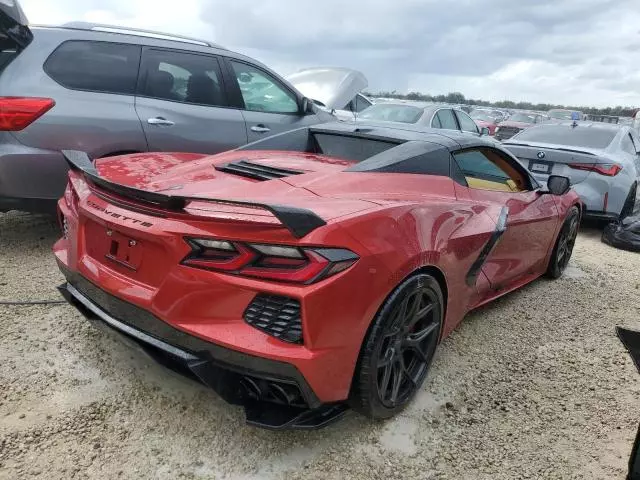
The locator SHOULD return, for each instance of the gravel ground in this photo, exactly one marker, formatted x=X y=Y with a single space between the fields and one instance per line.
x=534 y=386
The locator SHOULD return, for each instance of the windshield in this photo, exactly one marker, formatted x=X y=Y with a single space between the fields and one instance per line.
x=393 y=113
x=482 y=115
x=523 y=118
x=561 y=114
x=586 y=137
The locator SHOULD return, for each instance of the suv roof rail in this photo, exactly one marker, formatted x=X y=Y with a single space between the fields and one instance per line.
x=100 y=27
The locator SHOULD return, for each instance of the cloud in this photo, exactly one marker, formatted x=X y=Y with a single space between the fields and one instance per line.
x=560 y=51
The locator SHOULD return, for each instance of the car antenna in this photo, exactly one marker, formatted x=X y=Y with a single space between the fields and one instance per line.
x=354 y=111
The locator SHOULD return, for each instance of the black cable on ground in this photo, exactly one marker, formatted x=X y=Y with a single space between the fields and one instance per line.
x=35 y=302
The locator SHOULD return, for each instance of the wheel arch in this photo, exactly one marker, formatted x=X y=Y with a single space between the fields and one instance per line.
x=581 y=209
x=430 y=269
x=439 y=276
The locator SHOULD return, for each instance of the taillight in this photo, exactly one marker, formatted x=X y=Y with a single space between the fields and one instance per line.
x=271 y=262
x=607 y=169
x=71 y=198
x=17 y=113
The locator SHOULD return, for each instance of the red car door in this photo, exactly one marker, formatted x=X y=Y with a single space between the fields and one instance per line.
x=523 y=247
x=532 y=218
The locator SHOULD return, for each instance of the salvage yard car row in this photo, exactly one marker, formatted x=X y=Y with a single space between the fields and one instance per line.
x=183 y=85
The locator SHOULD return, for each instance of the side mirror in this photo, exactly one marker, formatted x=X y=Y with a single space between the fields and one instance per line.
x=306 y=106
x=631 y=341
x=245 y=77
x=484 y=131
x=558 y=185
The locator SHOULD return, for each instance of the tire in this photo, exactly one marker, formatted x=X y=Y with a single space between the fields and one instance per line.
x=563 y=248
x=399 y=347
x=630 y=202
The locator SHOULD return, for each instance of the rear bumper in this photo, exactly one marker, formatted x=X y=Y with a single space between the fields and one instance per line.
x=31 y=179
x=603 y=198
x=274 y=394
x=596 y=192
x=595 y=215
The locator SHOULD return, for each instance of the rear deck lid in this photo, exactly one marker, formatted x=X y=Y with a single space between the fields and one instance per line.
x=206 y=192
x=545 y=159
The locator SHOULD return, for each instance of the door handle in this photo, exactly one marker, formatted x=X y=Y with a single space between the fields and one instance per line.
x=160 y=121
x=260 y=129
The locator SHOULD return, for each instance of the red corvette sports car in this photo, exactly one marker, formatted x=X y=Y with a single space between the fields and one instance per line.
x=311 y=271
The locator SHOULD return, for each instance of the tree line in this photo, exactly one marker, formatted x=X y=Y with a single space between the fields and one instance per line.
x=459 y=99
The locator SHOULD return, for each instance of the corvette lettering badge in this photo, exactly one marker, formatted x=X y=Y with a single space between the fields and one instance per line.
x=117 y=215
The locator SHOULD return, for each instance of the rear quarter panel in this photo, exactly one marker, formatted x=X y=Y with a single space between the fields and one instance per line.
x=566 y=202
x=446 y=235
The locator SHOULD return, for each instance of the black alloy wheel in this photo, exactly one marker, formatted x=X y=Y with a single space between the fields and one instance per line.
x=399 y=348
x=630 y=203
x=564 y=245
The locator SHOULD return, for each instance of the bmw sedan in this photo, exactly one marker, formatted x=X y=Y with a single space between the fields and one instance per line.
x=601 y=160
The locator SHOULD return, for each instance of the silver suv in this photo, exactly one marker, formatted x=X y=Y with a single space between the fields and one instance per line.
x=109 y=90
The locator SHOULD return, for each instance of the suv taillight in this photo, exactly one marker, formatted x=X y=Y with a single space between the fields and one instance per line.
x=270 y=262
x=17 y=113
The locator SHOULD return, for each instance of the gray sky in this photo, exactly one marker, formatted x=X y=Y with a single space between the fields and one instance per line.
x=584 y=52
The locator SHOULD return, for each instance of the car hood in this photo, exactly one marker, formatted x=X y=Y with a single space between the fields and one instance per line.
x=332 y=87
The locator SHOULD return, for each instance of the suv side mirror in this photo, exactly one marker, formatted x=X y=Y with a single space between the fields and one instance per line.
x=558 y=185
x=306 y=106
x=484 y=131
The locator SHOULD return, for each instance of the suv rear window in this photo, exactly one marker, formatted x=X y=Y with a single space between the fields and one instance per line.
x=95 y=66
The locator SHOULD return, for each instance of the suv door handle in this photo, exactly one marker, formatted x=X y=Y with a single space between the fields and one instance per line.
x=160 y=121
x=260 y=129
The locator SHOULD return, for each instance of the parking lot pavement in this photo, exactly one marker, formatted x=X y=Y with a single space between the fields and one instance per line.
x=534 y=386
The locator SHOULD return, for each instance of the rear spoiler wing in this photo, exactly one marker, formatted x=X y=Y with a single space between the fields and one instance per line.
x=299 y=221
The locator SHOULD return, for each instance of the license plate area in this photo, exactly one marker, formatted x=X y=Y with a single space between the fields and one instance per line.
x=122 y=250
x=537 y=166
